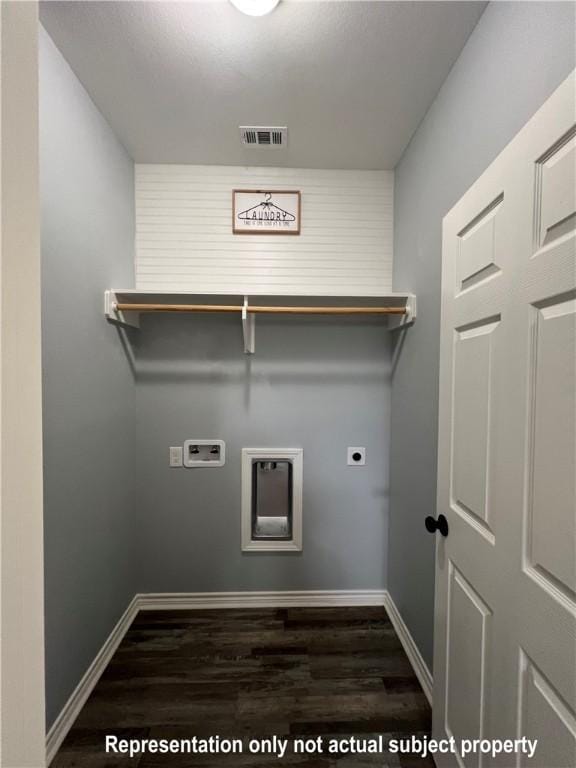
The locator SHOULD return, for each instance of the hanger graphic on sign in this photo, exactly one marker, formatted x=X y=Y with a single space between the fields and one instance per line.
x=266 y=206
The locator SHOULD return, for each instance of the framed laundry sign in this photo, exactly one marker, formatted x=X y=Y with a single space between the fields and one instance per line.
x=265 y=212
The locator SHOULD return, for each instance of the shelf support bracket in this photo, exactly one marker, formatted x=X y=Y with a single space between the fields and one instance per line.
x=113 y=315
x=401 y=321
x=248 y=328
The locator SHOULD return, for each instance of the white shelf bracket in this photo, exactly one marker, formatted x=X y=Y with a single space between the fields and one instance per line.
x=411 y=308
x=248 y=328
x=126 y=319
x=407 y=319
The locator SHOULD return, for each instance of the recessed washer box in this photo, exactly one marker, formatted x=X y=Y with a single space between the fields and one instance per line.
x=204 y=453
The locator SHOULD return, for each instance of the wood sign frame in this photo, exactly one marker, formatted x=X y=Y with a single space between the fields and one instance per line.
x=266 y=212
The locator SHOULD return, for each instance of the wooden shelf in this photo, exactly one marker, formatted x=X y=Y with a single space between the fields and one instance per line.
x=124 y=306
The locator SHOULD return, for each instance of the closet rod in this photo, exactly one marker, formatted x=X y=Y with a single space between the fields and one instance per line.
x=125 y=307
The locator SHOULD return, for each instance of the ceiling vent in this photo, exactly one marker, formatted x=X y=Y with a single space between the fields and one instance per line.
x=264 y=137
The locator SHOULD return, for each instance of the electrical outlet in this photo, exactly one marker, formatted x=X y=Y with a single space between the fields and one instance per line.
x=176 y=456
x=356 y=457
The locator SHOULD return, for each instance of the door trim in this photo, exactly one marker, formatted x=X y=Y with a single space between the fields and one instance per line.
x=22 y=723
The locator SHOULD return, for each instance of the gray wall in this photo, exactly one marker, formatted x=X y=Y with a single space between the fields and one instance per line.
x=320 y=384
x=517 y=55
x=87 y=245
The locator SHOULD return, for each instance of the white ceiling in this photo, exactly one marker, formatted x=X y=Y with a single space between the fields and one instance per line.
x=351 y=80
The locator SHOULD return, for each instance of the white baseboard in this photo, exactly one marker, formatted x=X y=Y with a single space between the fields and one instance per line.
x=301 y=599
x=213 y=600
x=71 y=710
x=414 y=656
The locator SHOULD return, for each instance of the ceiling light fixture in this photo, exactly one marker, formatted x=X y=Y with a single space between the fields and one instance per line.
x=255 y=7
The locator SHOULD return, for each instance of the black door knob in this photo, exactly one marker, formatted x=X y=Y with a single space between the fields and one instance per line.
x=440 y=525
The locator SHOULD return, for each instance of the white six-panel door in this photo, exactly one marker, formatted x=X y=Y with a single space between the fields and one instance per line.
x=505 y=625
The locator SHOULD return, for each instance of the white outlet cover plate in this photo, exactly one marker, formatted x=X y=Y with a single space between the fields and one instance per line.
x=351 y=462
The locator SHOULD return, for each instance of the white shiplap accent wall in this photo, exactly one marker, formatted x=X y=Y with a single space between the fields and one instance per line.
x=184 y=239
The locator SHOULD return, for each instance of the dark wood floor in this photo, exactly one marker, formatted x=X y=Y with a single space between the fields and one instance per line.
x=296 y=672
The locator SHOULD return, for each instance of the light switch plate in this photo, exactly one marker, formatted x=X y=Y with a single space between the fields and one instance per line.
x=176 y=456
